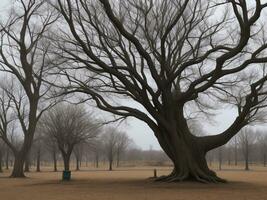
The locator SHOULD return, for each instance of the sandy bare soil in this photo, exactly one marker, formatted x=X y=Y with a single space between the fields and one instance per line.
x=124 y=184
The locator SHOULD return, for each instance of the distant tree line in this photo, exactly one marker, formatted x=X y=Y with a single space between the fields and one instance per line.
x=111 y=148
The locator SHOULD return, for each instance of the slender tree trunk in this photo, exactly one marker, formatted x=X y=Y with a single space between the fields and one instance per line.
x=246 y=164
x=110 y=160
x=264 y=159
x=77 y=163
x=220 y=158
x=118 y=158
x=7 y=158
x=97 y=160
x=38 y=169
x=246 y=156
x=110 y=165
x=235 y=151
x=1 y=158
x=55 y=161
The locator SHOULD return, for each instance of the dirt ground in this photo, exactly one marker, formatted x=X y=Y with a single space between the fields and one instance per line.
x=133 y=183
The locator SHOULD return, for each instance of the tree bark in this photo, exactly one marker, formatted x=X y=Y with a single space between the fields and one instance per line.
x=191 y=164
x=187 y=152
x=18 y=171
x=66 y=159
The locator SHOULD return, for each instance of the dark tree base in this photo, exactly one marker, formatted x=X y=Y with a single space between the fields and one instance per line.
x=17 y=176
x=201 y=177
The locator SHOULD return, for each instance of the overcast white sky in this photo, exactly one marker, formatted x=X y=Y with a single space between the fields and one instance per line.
x=140 y=132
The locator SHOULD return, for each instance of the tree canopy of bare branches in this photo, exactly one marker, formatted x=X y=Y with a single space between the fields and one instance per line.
x=69 y=126
x=25 y=62
x=172 y=58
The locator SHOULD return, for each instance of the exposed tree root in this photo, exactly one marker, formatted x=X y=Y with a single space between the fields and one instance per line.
x=198 y=176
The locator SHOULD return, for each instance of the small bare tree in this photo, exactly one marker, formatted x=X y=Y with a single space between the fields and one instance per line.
x=247 y=138
x=37 y=149
x=110 y=140
x=98 y=149
x=262 y=142
x=123 y=141
x=78 y=153
x=69 y=125
x=50 y=144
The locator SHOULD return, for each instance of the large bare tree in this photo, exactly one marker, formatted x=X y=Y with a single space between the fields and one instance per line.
x=24 y=55
x=171 y=60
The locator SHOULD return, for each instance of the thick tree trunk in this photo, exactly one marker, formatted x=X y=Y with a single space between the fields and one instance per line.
x=66 y=159
x=187 y=152
x=189 y=163
x=18 y=171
